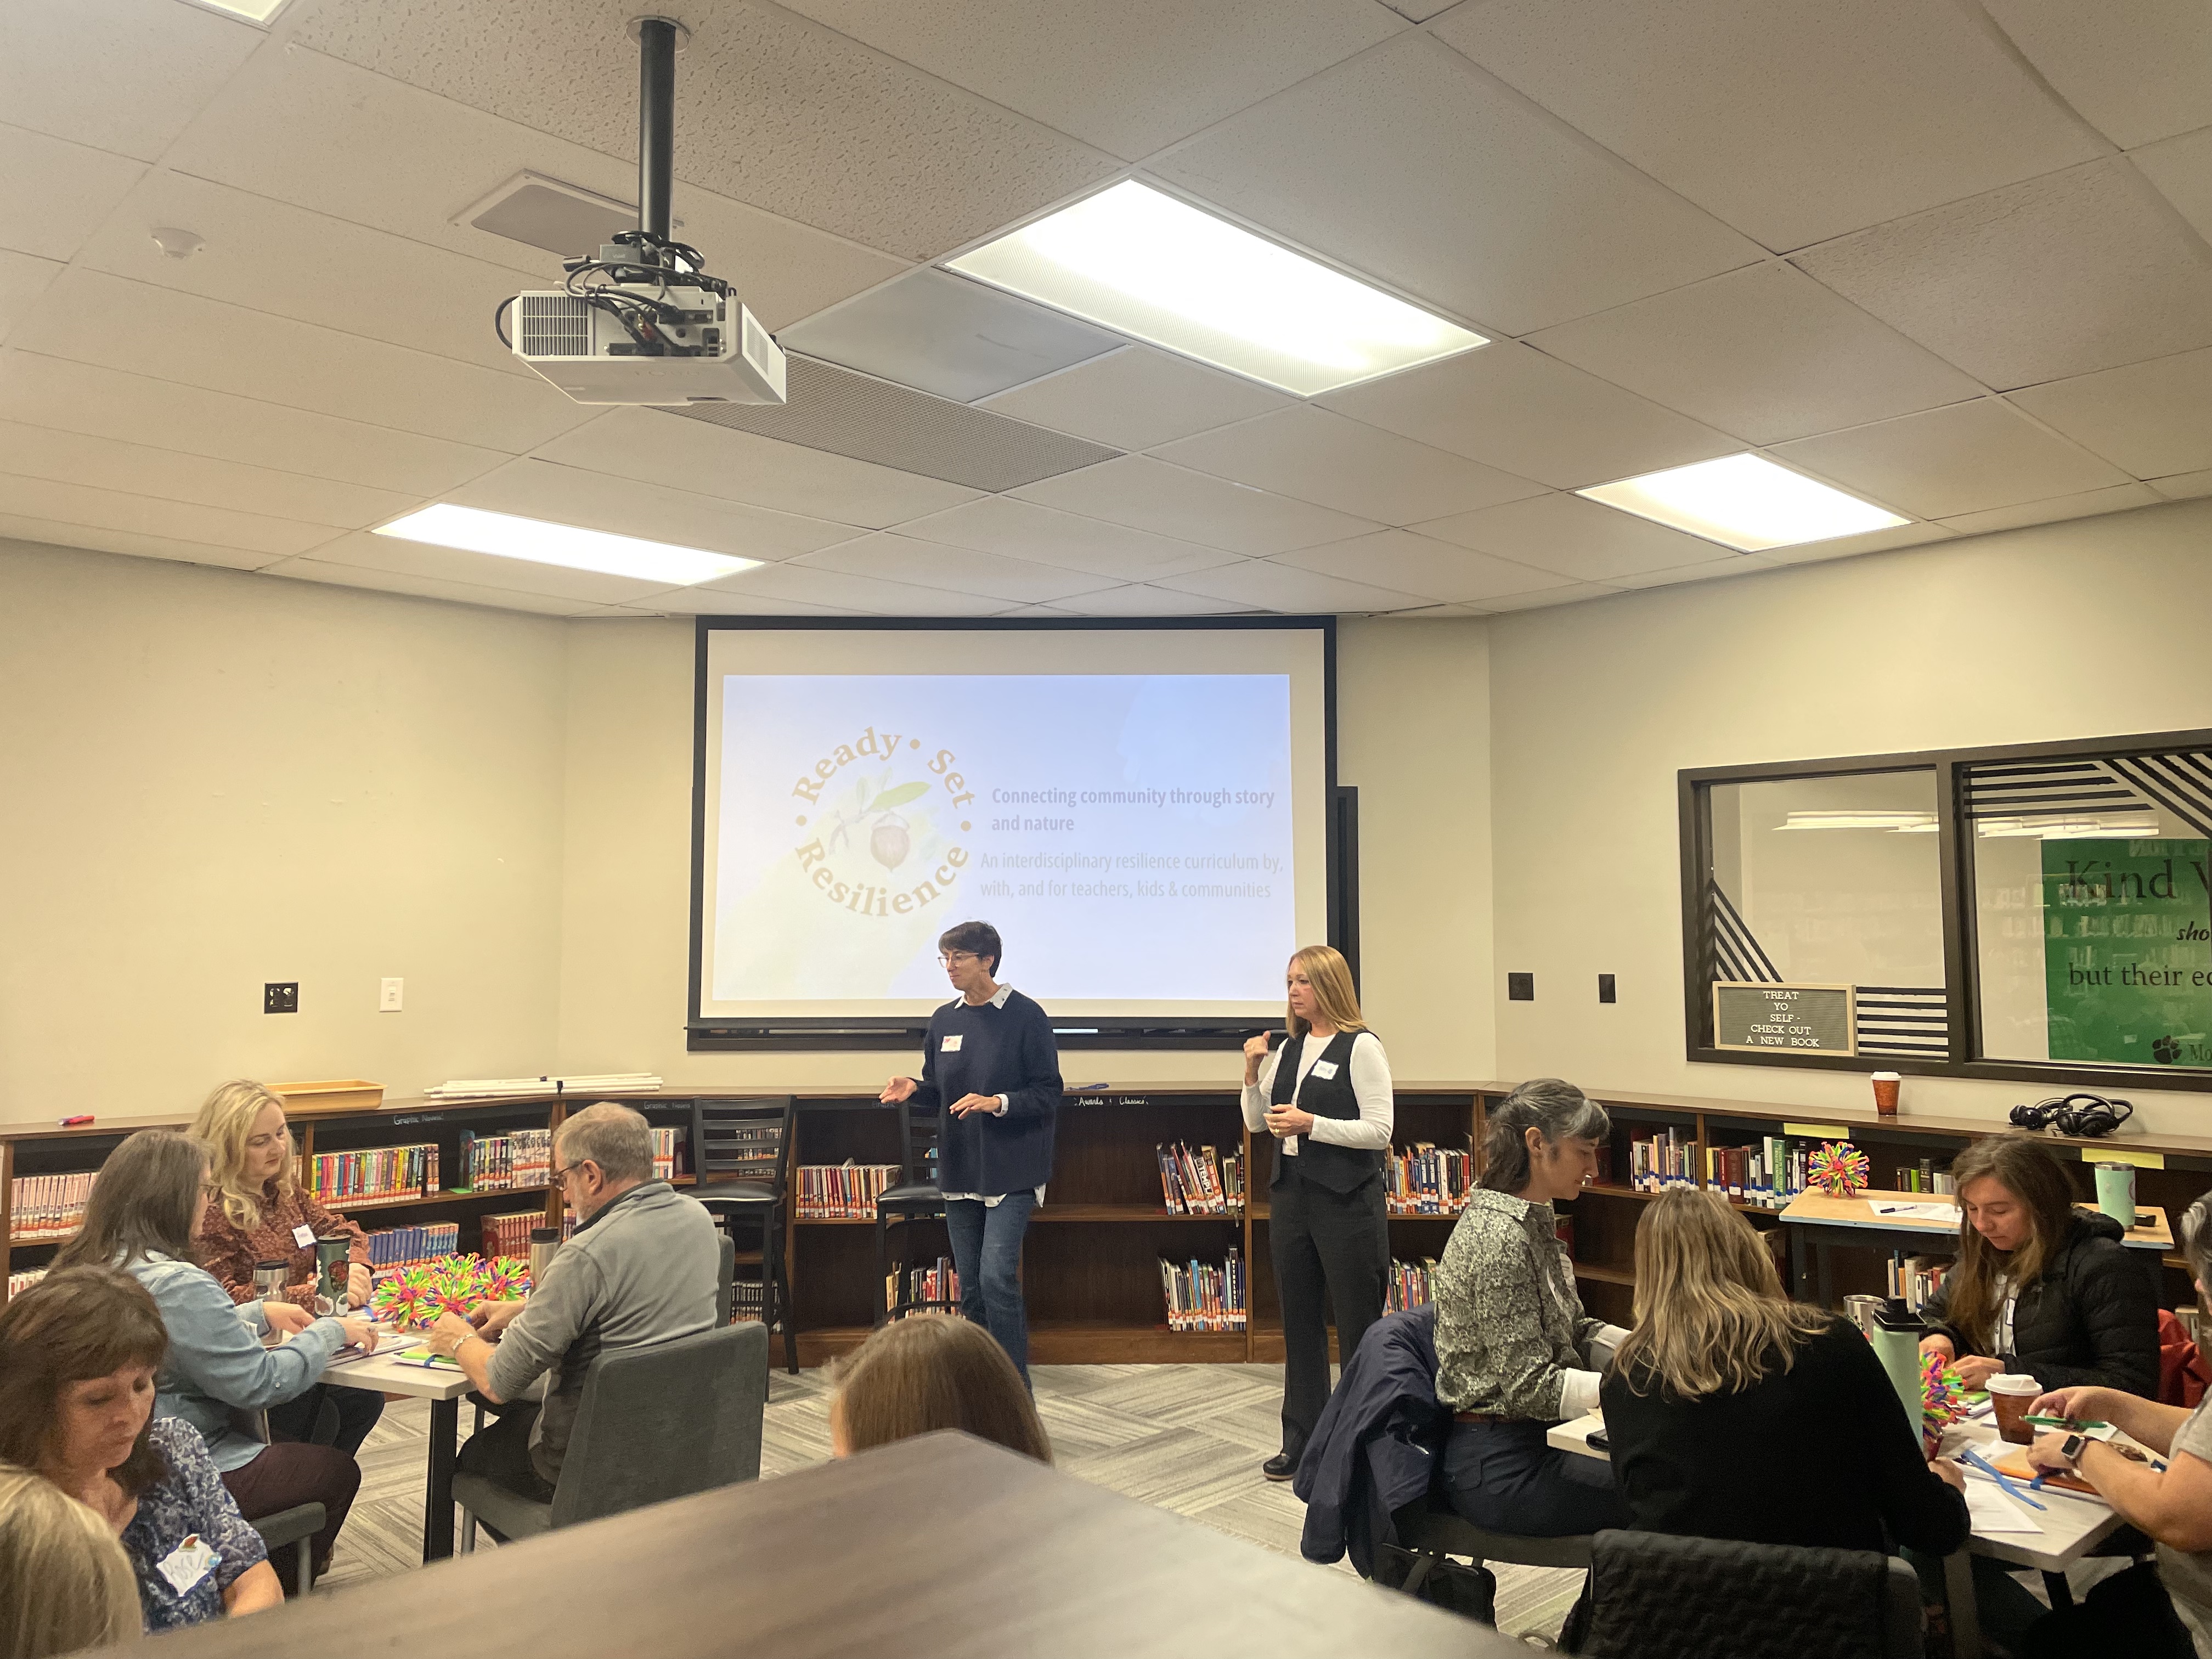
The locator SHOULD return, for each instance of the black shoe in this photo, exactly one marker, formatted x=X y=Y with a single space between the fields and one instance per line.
x=1281 y=1467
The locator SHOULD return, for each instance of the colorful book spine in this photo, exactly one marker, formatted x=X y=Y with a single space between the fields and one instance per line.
x=938 y=1282
x=665 y=1144
x=1409 y=1283
x=843 y=1192
x=1200 y=1296
x=19 y=1283
x=506 y=1164
x=1424 y=1179
x=403 y=1247
x=374 y=1172
x=48 y=1207
x=1200 y=1182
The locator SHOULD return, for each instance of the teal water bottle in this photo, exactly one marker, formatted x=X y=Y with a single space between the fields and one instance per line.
x=1896 y=1338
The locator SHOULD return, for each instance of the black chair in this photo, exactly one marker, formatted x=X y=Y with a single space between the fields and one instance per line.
x=741 y=1154
x=917 y=1197
x=294 y=1526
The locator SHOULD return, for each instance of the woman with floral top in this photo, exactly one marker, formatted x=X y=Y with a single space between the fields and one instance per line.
x=1515 y=1353
x=79 y=1351
x=261 y=1213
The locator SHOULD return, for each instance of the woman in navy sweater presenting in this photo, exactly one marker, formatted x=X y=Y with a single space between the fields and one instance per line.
x=992 y=1065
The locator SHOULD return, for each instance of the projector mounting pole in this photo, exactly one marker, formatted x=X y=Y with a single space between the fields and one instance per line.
x=657 y=39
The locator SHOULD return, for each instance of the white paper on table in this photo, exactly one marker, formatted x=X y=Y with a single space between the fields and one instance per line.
x=1991 y=1509
x=1890 y=1208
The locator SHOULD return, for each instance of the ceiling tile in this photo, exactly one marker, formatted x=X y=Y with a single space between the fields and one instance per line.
x=1733 y=564
x=91 y=316
x=2180 y=169
x=644 y=444
x=947 y=335
x=119 y=75
x=2149 y=419
x=306 y=129
x=73 y=457
x=54 y=534
x=1149 y=493
x=1130 y=77
x=2137 y=72
x=629 y=507
x=405 y=558
x=1405 y=563
x=1038 y=610
x=1792 y=123
x=1574 y=538
x=1765 y=352
x=1023 y=530
x=164 y=414
x=2087 y=504
x=251 y=533
x=1315 y=455
x=336 y=275
x=963 y=570
x=1962 y=459
x=870 y=594
x=1411 y=165
x=426 y=587
x=1894 y=538
x=1437 y=613
x=1545 y=598
x=1261 y=585
x=770 y=109
x=53 y=194
x=2184 y=486
x=22 y=280
x=1138 y=600
x=1136 y=398
x=2064 y=274
x=1513 y=407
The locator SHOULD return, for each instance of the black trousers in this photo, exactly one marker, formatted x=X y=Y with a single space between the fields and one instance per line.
x=500 y=1451
x=1332 y=1253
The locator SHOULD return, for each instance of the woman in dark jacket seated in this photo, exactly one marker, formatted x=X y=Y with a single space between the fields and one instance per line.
x=2040 y=1286
x=1723 y=1386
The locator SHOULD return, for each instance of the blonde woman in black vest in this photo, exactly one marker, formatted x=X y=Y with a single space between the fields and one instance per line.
x=1325 y=1096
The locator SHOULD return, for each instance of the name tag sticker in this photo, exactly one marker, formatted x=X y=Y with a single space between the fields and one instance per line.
x=303 y=1236
x=186 y=1564
x=1324 y=1069
x=950 y=1046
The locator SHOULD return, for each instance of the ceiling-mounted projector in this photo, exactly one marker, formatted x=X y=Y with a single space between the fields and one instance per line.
x=641 y=321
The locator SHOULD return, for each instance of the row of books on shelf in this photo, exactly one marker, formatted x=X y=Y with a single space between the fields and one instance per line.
x=374 y=1172
x=939 y=1281
x=19 y=1283
x=843 y=1192
x=509 y=1233
x=1916 y=1278
x=48 y=1206
x=1409 y=1283
x=1427 y=1180
x=403 y=1247
x=1200 y=1183
x=1201 y=1297
x=665 y=1143
x=508 y=1162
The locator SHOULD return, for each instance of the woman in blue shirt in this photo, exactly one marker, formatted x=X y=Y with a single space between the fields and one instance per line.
x=991 y=1064
x=78 y=1354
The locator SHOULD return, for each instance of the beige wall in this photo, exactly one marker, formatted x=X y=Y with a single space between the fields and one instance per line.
x=2087 y=628
x=212 y=780
x=1414 y=730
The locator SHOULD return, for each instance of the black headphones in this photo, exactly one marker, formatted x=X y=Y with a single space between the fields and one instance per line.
x=2084 y=1115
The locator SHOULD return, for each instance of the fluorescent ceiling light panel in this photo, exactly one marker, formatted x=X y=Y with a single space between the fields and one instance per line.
x=1744 y=501
x=2096 y=826
x=504 y=536
x=1136 y=260
x=254 y=11
x=1900 y=822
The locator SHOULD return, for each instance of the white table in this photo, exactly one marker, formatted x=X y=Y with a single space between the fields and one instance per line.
x=443 y=1387
x=2067 y=1526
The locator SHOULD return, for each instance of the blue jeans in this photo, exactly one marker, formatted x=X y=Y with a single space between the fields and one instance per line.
x=987 y=1251
x=1503 y=1478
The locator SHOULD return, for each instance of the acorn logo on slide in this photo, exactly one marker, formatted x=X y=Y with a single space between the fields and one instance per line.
x=863 y=802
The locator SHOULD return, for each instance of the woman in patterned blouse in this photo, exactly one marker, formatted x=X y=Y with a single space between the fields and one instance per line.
x=78 y=1354
x=262 y=1214
x=1515 y=1353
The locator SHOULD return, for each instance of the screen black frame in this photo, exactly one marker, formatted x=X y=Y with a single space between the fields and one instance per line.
x=1961 y=948
x=704 y=1035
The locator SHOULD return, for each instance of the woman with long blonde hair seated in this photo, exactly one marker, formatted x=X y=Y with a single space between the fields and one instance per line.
x=1725 y=1389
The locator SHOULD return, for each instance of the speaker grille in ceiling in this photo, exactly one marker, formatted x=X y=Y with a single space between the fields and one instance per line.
x=872 y=420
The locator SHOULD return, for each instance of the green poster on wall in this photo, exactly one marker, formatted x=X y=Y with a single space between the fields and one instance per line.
x=2127 y=950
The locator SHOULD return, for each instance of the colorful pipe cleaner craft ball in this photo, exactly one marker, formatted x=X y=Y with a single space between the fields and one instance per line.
x=1839 y=1169
x=407 y=1296
x=506 y=1278
x=1942 y=1390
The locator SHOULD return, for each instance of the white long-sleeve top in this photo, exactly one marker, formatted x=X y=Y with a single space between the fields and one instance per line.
x=1371 y=1086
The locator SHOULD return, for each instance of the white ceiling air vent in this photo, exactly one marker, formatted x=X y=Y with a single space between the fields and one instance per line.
x=561 y=218
x=835 y=410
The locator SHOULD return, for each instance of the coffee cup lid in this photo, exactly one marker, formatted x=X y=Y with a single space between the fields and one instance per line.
x=2014 y=1383
x=1886 y=1077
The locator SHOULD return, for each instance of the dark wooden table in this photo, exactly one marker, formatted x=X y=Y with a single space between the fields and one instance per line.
x=941 y=1546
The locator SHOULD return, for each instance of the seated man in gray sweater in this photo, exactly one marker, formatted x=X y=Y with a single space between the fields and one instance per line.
x=642 y=1269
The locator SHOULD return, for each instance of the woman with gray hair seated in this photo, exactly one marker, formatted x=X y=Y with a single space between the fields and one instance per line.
x=1515 y=1353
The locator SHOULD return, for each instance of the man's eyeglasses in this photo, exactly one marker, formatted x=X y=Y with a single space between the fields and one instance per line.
x=560 y=1175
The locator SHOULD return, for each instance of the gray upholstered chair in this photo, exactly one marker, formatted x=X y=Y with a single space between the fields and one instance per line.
x=654 y=1423
x=293 y=1525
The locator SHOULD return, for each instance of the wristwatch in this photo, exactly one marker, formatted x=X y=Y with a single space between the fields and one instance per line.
x=2071 y=1447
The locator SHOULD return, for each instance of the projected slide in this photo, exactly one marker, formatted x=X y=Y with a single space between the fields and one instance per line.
x=1129 y=835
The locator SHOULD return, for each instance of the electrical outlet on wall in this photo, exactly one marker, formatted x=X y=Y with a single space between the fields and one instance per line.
x=387 y=1000
x=280 y=997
